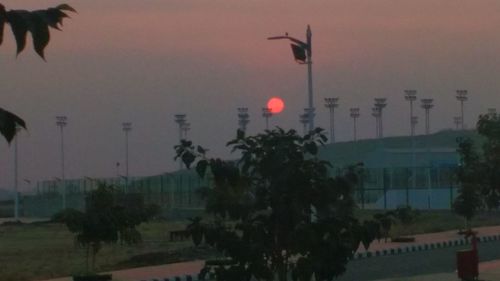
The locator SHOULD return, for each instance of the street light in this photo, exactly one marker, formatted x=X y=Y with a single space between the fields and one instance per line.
x=462 y=97
x=302 y=52
x=61 y=121
x=354 y=115
x=380 y=104
x=243 y=118
x=266 y=113
x=411 y=96
x=127 y=127
x=427 y=105
x=331 y=104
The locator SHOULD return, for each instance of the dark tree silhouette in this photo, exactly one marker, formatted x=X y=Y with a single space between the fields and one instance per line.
x=37 y=23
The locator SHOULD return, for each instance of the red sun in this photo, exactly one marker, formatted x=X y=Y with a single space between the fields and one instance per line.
x=275 y=105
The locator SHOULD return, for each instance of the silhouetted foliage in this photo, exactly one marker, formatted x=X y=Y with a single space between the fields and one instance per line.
x=276 y=210
x=9 y=122
x=109 y=216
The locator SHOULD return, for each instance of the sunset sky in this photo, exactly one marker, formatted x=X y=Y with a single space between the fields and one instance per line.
x=144 y=61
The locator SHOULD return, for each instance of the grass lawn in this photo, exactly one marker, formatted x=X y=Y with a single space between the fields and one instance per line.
x=45 y=250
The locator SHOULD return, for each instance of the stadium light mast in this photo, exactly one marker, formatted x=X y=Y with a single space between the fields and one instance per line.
x=411 y=96
x=376 y=114
x=354 y=112
x=266 y=113
x=61 y=122
x=185 y=129
x=304 y=120
x=126 y=127
x=302 y=52
x=462 y=97
x=243 y=118
x=427 y=105
x=380 y=104
x=331 y=104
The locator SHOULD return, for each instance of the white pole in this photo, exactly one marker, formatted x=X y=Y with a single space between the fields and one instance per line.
x=16 y=194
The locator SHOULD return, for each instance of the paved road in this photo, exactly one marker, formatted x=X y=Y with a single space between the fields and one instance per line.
x=416 y=263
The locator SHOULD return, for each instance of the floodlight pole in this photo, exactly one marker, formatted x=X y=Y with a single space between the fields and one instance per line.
x=243 y=118
x=266 y=113
x=180 y=119
x=308 y=47
x=380 y=104
x=331 y=104
x=462 y=97
x=427 y=105
x=355 y=115
x=127 y=127
x=61 y=121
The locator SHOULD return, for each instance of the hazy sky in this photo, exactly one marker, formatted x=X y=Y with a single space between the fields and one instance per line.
x=144 y=61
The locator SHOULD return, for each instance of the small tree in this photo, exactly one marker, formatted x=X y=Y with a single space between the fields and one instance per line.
x=277 y=210
x=105 y=220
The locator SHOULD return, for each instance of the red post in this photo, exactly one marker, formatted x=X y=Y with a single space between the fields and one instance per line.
x=468 y=260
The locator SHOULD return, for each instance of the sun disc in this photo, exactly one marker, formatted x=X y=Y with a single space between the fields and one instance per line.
x=275 y=105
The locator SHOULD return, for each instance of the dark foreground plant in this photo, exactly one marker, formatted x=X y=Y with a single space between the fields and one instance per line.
x=277 y=211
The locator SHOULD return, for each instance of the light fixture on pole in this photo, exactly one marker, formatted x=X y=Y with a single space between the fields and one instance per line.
x=462 y=97
x=243 y=118
x=457 y=120
x=354 y=115
x=127 y=127
x=411 y=96
x=302 y=52
x=427 y=105
x=331 y=104
x=380 y=104
x=62 y=121
x=266 y=113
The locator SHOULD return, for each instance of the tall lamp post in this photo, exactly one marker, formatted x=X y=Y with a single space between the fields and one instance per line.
x=462 y=97
x=331 y=104
x=61 y=121
x=427 y=105
x=354 y=115
x=376 y=114
x=302 y=52
x=127 y=127
x=266 y=113
x=411 y=96
x=380 y=104
x=16 y=178
x=243 y=118
x=180 y=119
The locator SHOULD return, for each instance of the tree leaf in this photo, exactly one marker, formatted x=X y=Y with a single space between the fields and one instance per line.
x=201 y=167
x=19 y=20
x=66 y=7
x=40 y=33
x=3 y=19
x=8 y=124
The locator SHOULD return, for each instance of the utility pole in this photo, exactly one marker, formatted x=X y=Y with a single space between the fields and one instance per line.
x=462 y=97
x=61 y=122
x=331 y=104
x=354 y=115
x=427 y=105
